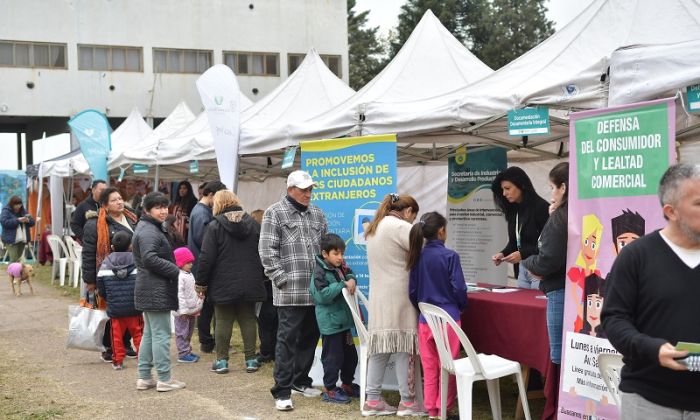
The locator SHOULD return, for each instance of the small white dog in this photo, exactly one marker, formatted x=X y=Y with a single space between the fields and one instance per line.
x=19 y=273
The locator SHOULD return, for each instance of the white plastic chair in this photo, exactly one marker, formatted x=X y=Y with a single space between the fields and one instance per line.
x=362 y=333
x=353 y=302
x=610 y=367
x=60 y=258
x=474 y=367
x=75 y=254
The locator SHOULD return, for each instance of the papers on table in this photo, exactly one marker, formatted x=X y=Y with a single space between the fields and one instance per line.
x=471 y=289
x=504 y=290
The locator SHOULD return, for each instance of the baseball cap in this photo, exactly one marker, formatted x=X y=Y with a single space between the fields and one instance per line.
x=300 y=179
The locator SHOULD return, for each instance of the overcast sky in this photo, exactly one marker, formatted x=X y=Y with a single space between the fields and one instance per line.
x=384 y=13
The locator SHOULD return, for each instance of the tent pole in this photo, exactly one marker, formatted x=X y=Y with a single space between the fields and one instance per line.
x=155 y=188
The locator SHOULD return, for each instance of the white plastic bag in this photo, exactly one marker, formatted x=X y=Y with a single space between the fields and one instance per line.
x=86 y=328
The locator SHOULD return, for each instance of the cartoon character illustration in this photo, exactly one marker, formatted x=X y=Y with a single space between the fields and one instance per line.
x=591 y=234
x=594 y=294
x=626 y=228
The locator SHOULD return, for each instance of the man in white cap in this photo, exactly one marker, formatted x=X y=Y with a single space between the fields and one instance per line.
x=289 y=242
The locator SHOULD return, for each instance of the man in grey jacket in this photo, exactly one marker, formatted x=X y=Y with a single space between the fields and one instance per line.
x=289 y=242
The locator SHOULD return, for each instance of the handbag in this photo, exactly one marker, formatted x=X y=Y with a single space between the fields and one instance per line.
x=21 y=234
x=86 y=325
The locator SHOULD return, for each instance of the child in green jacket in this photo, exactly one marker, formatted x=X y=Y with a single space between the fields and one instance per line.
x=334 y=319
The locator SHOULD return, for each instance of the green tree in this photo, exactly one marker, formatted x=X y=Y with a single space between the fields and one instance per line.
x=449 y=12
x=364 y=49
x=499 y=31
x=496 y=31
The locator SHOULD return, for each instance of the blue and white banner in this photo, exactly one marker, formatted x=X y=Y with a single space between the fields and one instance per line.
x=353 y=176
x=92 y=131
x=218 y=89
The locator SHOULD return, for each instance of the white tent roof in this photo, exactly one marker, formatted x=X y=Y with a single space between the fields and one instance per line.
x=245 y=103
x=643 y=72
x=311 y=90
x=147 y=151
x=128 y=134
x=568 y=70
x=431 y=63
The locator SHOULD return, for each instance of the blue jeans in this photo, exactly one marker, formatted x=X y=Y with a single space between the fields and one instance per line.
x=555 y=323
x=155 y=346
x=526 y=281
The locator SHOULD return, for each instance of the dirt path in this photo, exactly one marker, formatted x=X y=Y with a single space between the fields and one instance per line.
x=40 y=378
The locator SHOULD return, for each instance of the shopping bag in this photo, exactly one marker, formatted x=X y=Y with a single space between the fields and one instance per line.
x=86 y=326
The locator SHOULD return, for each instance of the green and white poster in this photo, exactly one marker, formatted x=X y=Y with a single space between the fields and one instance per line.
x=476 y=227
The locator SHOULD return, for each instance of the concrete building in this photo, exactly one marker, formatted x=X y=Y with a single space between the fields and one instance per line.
x=58 y=57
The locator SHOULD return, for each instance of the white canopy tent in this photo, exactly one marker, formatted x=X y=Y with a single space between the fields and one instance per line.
x=309 y=91
x=567 y=72
x=128 y=134
x=147 y=150
x=430 y=64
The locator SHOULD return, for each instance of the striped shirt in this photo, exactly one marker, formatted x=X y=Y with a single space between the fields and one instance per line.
x=289 y=243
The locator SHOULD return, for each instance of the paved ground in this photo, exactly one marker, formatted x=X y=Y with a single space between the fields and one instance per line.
x=40 y=378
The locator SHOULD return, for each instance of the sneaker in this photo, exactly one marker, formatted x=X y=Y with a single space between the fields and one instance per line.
x=284 y=404
x=352 y=390
x=106 y=356
x=188 y=358
x=306 y=391
x=336 y=396
x=170 y=385
x=264 y=359
x=220 y=366
x=207 y=347
x=410 y=409
x=252 y=365
x=131 y=353
x=377 y=408
x=118 y=366
x=144 y=384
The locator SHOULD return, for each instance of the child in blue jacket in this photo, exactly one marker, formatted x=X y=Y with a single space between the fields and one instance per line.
x=335 y=320
x=436 y=278
x=116 y=281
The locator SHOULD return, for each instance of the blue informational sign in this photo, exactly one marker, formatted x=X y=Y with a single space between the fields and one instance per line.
x=289 y=156
x=194 y=167
x=353 y=176
x=694 y=98
x=139 y=168
x=528 y=121
x=93 y=133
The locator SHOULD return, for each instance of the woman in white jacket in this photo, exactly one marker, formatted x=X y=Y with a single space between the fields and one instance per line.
x=189 y=305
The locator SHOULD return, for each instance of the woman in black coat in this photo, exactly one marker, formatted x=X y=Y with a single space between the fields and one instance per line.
x=231 y=274
x=155 y=293
x=99 y=230
x=526 y=213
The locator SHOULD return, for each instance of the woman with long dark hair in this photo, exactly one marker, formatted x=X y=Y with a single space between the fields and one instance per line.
x=393 y=326
x=550 y=263
x=526 y=213
x=185 y=200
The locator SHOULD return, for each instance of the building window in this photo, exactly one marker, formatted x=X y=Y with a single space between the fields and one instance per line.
x=252 y=63
x=32 y=54
x=110 y=58
x=168 y=60
x=331 y=61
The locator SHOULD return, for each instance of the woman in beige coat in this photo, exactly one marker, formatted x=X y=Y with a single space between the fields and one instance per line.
x=393 y=320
